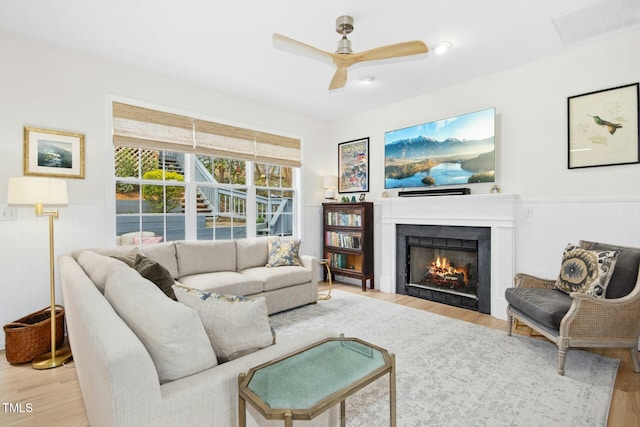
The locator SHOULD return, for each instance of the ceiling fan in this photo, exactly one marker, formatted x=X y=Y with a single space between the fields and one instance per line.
x=344 y=57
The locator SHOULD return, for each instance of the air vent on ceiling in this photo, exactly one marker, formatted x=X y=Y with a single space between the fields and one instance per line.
x=599 y=18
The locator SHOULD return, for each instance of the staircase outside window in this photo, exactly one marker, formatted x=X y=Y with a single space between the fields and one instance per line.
x=180 y=196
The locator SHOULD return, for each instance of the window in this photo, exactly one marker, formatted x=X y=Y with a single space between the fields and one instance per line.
x=150 y=192
x=222 y=183
x=274 y=199
x=221 y=198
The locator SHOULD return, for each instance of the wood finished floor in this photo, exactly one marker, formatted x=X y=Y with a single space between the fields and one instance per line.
x=55 y=399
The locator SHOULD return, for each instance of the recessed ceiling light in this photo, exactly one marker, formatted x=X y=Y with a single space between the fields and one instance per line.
x=367 y=80
x=441 y=47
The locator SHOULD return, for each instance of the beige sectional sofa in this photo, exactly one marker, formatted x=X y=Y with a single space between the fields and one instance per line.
x=145 y=359
x=232 y=267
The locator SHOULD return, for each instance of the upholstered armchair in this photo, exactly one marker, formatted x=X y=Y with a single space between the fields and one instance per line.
x=578 y=319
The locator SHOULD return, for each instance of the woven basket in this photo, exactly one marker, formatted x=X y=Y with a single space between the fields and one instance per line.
x=30 y=336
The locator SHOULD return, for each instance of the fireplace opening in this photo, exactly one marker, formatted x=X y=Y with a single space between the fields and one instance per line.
x=446 y=264
x=449 y=265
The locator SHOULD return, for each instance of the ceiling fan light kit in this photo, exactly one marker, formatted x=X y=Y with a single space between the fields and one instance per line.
x=344 y=57
x=442 y=47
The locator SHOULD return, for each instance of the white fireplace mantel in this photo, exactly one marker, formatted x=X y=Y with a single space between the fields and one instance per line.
x=497 y=211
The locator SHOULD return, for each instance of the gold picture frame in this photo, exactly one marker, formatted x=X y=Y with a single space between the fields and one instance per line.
x=53 y=153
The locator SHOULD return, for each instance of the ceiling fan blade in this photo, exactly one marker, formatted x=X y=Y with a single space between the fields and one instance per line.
x=397 y=50
x=299 y=48
x=339 y=78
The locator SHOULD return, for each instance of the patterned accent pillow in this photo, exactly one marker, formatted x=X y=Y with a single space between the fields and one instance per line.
x=283 y=253
x=585 y=271
x=236 y=325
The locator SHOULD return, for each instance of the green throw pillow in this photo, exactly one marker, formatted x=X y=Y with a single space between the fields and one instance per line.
x=585 y=271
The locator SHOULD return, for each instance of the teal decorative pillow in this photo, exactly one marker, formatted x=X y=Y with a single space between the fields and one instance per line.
x=283 y=253
x=585 y=271
x=235 y=325
x=156 y=273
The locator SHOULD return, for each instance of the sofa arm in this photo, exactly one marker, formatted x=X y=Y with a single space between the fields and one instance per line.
x=310 y=263
x=522 y=280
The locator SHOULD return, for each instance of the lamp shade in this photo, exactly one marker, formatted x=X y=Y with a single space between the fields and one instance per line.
x=329 y=181
x=28 y=190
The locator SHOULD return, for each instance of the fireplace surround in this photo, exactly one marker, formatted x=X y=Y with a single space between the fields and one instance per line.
x=497 y=212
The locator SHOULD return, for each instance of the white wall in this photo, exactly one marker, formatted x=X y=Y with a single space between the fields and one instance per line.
x=41 y=85
x=531 y=104
x=44 y=86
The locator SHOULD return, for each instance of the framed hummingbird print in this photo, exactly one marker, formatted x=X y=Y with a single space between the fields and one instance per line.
x=603 y=128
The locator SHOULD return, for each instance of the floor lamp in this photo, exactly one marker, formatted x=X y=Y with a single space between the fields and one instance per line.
x=38 y=192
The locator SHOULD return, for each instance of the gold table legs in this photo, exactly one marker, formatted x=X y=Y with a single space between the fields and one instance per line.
x=321 y=296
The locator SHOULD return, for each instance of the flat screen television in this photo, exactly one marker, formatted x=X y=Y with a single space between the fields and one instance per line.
x=456 y=150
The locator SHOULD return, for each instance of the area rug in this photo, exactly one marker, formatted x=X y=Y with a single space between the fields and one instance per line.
x=455 y=373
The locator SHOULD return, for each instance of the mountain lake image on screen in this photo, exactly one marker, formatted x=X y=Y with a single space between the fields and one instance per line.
x=456 y=150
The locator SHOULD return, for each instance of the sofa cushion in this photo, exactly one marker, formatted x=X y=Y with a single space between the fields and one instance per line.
x=97 y=267
x=585 y=271
x=163 y=253
x=251 y=252
x=195 y=257
x=235 y=325
x=545 y=306
x=155 y=273
x=625 y=275
x=281 y=277
x=224 y=282
x=283 y=253
x=171 y=332
x=128 y=258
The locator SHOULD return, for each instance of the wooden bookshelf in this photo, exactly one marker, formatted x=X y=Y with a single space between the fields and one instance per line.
x=348 y=240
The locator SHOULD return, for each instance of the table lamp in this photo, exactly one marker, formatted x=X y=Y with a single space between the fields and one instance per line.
x=330 y=183
x=38 y=192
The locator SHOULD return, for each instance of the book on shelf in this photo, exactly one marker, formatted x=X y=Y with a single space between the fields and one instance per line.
x=344 y=219
x=343 y=240
x=337 y=260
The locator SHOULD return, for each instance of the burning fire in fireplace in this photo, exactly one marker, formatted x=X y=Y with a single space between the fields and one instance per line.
x=442 y=272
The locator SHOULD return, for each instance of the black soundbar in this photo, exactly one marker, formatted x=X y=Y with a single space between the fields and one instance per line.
x=437 y=192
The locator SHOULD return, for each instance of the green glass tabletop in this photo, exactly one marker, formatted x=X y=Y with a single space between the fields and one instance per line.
x=306 y=378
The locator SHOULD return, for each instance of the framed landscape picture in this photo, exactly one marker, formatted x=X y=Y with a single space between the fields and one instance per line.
x=53 y=153
x=353 y=166
x=603 y=128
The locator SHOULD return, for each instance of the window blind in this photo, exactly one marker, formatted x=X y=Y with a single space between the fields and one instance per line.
x=140 y=127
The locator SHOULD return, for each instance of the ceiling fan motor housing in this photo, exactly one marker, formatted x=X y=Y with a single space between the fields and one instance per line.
x=344 y=25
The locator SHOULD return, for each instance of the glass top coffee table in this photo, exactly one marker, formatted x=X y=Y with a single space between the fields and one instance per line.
x=303 y=384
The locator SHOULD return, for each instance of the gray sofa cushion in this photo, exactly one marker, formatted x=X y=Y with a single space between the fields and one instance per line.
x=224 y=282
x=546 y=306
x=625 y=274
x=195 y=257
x=251 y=252
x=279 y=277
x=162 y=253
x=97 y=267
x=171 y=332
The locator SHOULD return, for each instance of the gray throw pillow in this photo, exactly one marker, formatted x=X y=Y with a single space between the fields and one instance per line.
x=155 y=273
x=235 y=325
